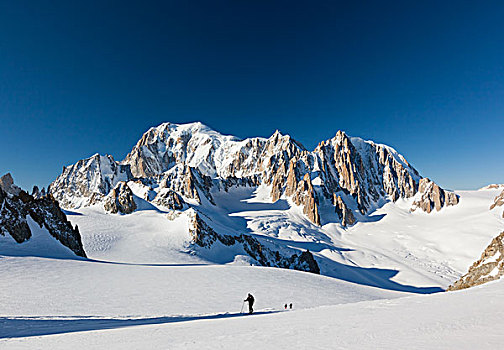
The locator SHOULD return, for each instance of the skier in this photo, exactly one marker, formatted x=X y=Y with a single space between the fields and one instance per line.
x=250 y=300
x=290 y=306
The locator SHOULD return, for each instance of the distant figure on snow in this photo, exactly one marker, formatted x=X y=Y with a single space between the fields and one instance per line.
x=290 y=306
x=285 y=306
x=250 y=300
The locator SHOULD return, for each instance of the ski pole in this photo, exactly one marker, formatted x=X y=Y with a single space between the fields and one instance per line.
x=241 y=310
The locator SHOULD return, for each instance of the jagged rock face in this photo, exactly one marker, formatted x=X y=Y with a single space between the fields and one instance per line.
x=88 y=181
x=193 y=160
x=36 y=193
x=188 y=182
x=226 y=184
x=498 y=202
x=431 y=197
x=305 y=196
x=346 y=216
x=120 y=200
x=45 y=211
x=13 y=217
x=169 y=199
x=488 y=268
x=7 y=184
x=367 y=171
x=204 y=236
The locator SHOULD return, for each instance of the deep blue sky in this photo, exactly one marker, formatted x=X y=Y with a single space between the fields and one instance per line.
x=424 y=77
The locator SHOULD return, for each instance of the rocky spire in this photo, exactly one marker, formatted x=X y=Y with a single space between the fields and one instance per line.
x=346 y=216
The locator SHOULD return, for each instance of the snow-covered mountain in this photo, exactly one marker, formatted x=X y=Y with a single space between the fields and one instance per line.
x=88 y=181
x=193 y=172
x=23 y=216
x=349 y=174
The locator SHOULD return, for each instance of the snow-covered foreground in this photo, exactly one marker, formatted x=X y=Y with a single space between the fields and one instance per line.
x=57 y=304
x=39 y=286
x=41 y=296
x=146 y=287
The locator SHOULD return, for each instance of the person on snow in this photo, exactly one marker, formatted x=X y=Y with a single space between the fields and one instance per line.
x=250 y=300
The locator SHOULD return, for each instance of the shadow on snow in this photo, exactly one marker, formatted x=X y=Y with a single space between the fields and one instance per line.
x=373 y=277
x=19 y=326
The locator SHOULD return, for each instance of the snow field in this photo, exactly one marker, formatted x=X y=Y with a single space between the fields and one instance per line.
x=469 y=319
x=53 y=287
x=145 y=288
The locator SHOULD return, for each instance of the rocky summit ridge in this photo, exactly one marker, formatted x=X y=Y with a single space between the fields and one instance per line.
x=181 y=165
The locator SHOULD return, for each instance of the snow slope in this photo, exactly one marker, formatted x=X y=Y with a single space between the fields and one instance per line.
x=41 y=244
x=45 y=296
x=395 y=249
x=83 y=305
x=438 y=246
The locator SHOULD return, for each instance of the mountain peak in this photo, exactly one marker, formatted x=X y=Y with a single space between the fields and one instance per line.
x=192 y=127
x=370 y=173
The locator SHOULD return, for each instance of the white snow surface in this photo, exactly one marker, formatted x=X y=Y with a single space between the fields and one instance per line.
x=58 y=304
x=145 y=287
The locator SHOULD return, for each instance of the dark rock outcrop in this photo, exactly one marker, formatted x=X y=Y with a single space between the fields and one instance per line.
x=120 y=200
x=36 y=193
x=45 y=211
x=346 y=216
x=204 y=236
x=13 y=215
x=170 y=199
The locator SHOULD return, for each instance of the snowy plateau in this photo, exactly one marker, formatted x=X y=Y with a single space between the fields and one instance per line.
x=159 y=250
